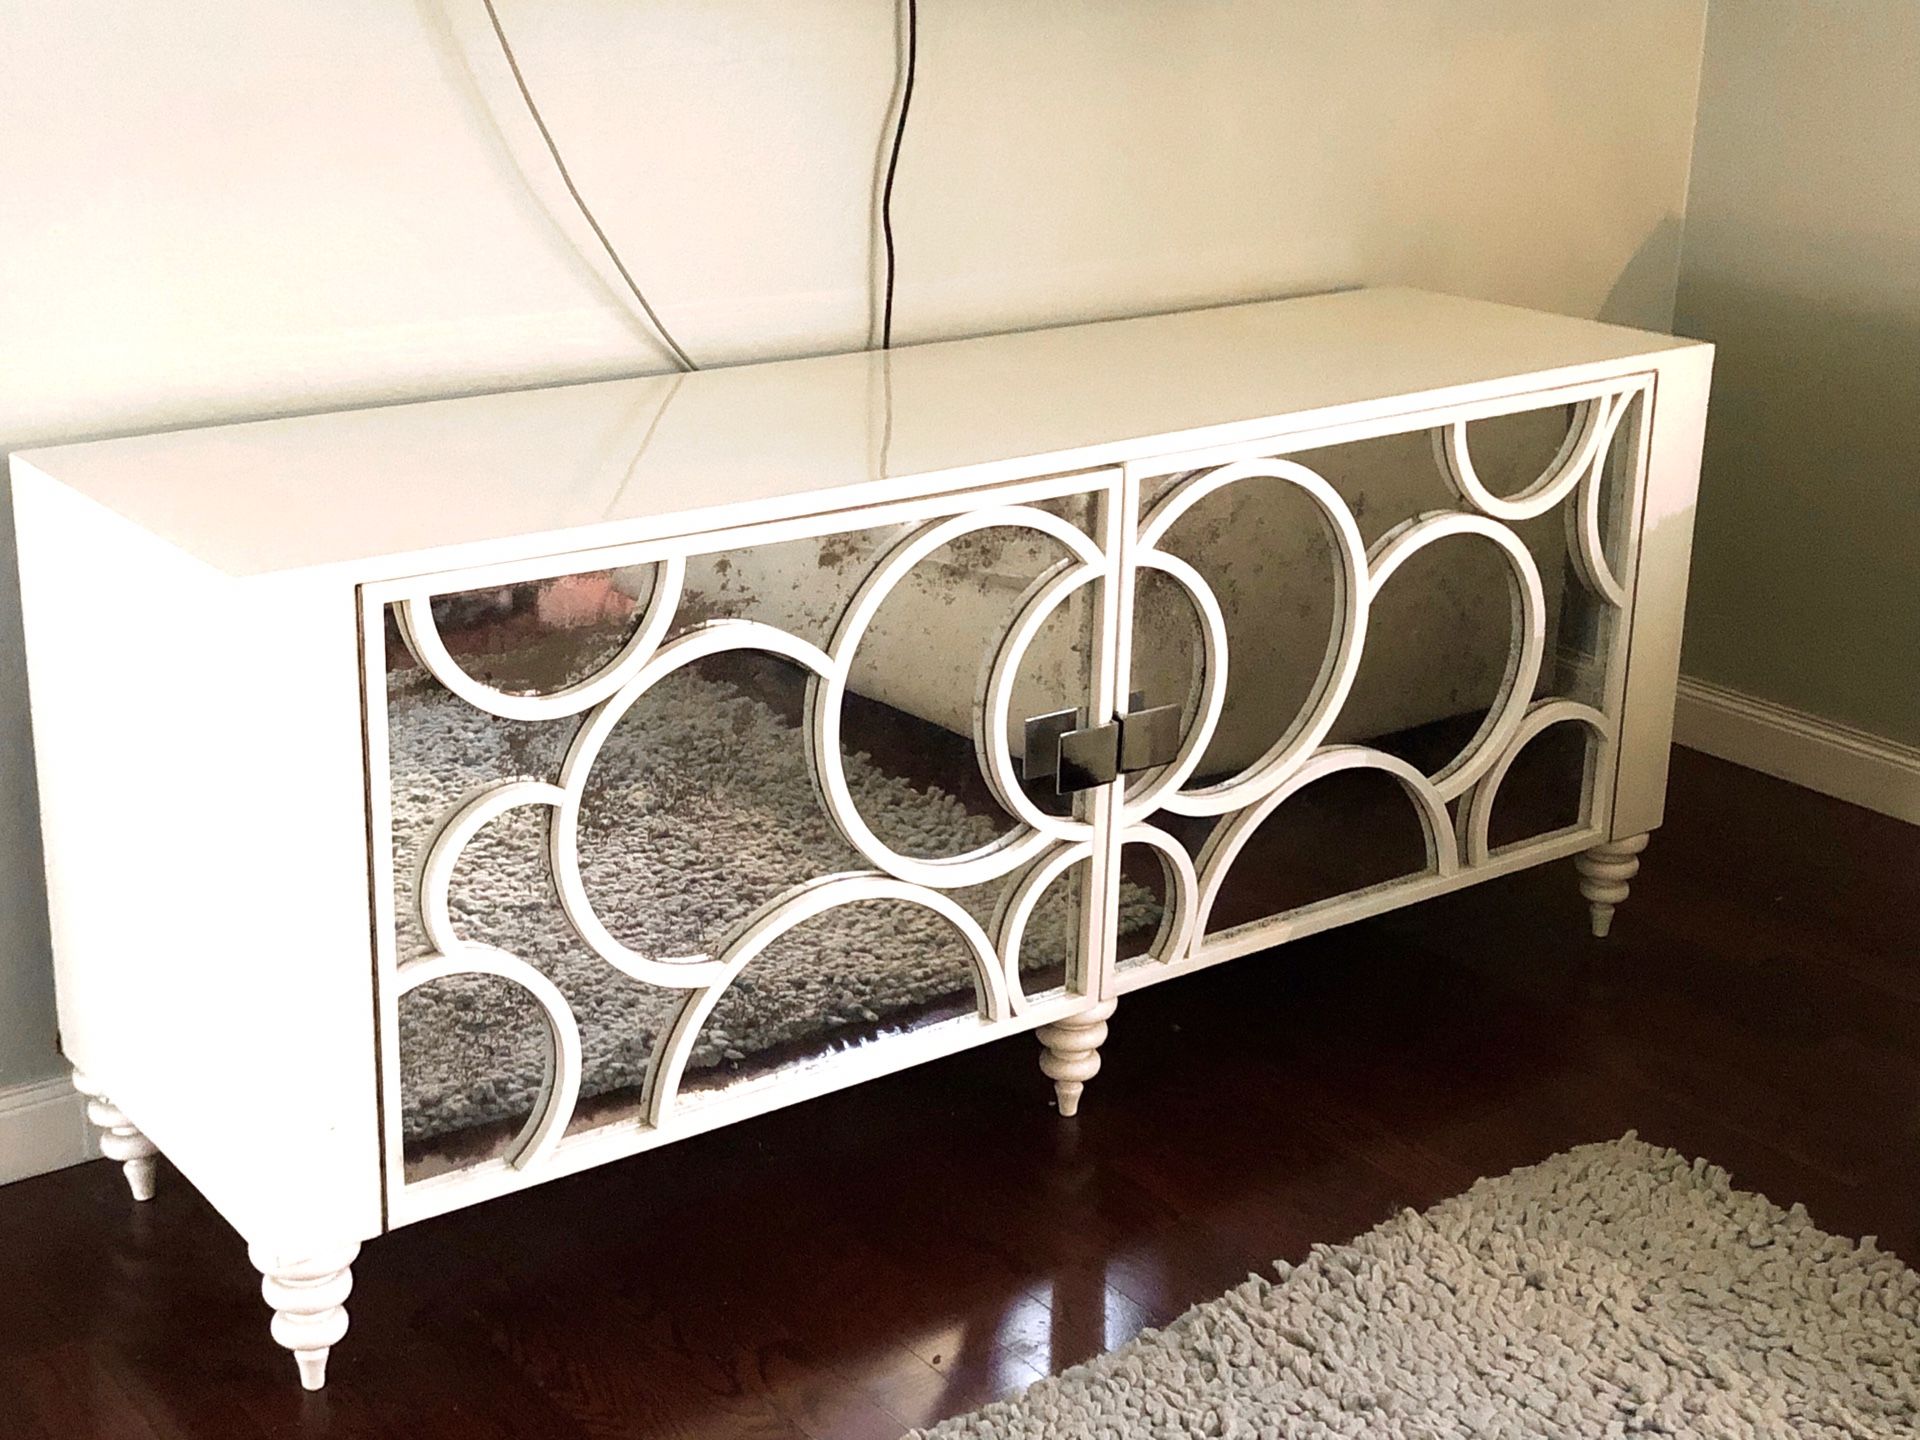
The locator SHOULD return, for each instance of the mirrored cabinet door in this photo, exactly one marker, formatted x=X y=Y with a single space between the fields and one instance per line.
x=692 y=826
x=1398 y=659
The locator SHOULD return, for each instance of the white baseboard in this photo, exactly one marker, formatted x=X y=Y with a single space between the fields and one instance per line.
x=43 y=1126
x=1778 y=740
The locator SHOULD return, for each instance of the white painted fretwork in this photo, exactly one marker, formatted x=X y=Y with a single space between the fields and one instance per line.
x=1046 y=844
x=119 y=1139
x=1457 y=842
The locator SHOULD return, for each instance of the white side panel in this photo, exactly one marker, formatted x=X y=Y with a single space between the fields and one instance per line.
x=1660 y=588
x=198 y=746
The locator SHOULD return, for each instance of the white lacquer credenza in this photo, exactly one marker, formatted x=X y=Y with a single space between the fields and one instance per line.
x=441 y=798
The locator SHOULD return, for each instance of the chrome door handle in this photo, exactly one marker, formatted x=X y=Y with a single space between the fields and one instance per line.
x=1077 y=756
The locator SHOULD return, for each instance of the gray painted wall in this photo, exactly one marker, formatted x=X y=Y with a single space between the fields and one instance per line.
x=1802 y=263
x=225 y=208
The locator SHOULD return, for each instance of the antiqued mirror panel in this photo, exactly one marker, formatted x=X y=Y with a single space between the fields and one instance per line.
x=667 y=831
x=1348 y=832
x=1397 y=657
x=539 y=637
x=474 y=1054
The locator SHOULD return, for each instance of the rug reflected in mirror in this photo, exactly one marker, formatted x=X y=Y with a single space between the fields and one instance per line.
x=699 y=809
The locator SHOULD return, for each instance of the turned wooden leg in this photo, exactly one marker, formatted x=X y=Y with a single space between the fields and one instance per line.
x=1071 y=1056
x=308 y=1296
x=1604 y=873
x=119 y=1140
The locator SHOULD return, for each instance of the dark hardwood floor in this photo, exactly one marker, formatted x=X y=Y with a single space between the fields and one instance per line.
x=915 y=1247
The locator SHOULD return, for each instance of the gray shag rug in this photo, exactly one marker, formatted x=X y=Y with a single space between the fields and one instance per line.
x=1618 y=1289
x=699 y=809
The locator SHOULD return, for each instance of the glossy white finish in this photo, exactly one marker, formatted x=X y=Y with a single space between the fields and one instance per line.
x=411 y=488
x=220 y=876
x=1587 y=441
x=1672 y=442
x=206 y=866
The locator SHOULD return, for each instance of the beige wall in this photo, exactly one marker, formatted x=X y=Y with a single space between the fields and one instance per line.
x=217 y=208
x=1803 y=264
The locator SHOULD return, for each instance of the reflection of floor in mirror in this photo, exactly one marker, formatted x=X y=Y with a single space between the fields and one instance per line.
x=700 y=809
x=1357 y=828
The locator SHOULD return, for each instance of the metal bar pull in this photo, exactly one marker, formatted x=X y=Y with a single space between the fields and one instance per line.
x=1088 y=758
x=1041 y=758
x=1062 y=747
x=1149 y=738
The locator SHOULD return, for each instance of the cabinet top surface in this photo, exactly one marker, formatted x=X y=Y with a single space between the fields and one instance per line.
x=406 y=489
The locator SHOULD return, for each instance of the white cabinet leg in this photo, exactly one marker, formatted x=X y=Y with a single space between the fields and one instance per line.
x=308 y=1296
x=119 y=1140
x=1071 y=1056
x=1604 y=873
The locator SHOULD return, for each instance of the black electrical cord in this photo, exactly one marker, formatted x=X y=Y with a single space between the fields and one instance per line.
x=893 y=165
x=680 y=356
